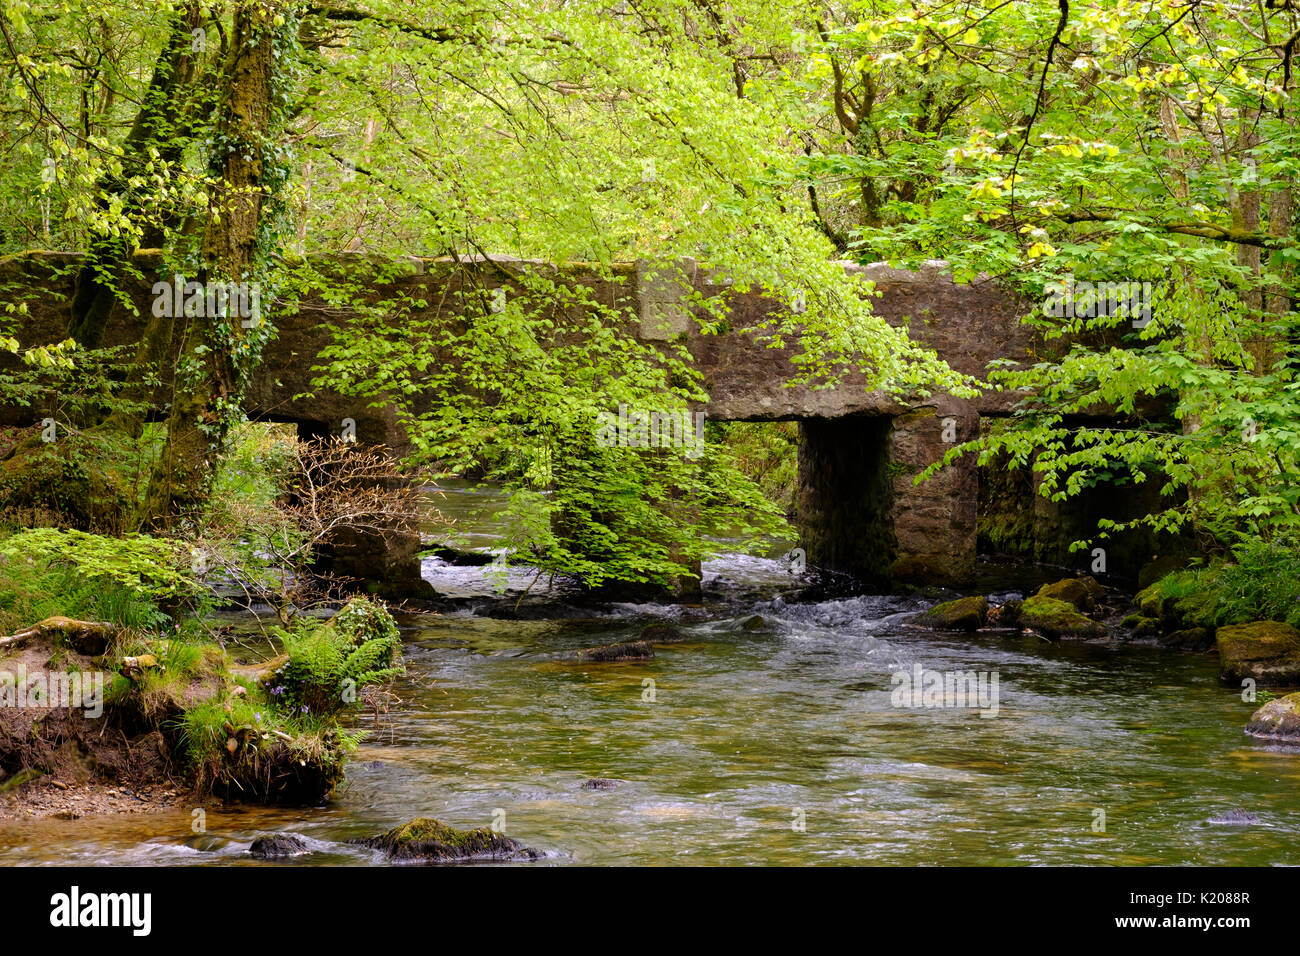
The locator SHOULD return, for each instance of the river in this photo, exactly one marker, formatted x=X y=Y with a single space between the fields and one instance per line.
x=771 y=741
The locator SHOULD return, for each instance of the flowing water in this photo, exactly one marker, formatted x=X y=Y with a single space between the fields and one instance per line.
x=754 y=726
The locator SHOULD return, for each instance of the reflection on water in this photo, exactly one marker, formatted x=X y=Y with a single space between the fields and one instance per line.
x=752 y=722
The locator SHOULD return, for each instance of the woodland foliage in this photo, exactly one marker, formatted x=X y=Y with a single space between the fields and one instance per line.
x=1112 y=141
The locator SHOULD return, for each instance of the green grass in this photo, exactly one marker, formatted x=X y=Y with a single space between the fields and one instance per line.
x=33 y=591
x=1261 y=583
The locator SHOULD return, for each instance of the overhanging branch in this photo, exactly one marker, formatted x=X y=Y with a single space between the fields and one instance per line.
x=345 y=15
x=1203 y=230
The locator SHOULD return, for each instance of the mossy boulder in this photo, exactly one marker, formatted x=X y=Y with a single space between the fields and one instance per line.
x=662 y=632
x=1084 y=593
x=1188 y=610
x=425 y=840
x=1279 y=719
x=963 y=614
x=1176 y=612
x=1148 y=601
x=1267 y=651
x=1057 y=619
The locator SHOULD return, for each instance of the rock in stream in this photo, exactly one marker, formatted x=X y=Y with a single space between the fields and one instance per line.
x=425 y=840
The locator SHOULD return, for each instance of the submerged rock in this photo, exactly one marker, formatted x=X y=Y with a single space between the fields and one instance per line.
x=1083 y=593
x=755 y=622
x=1057 y=619
x=425 y=840
x=963 y=614
x=1279 y=719
x=205 y=842
x=600 y=783
x=278 y=846
x=1235 y=818
x=1267 y=651
x=610 y=653
x=662 y=632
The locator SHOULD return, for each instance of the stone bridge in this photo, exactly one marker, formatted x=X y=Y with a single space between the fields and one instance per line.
x=859 y=511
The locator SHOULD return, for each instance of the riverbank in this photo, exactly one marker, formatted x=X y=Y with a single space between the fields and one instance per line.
x=53 y=799
x=134 y=712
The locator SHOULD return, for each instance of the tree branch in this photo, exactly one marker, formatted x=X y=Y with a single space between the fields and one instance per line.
x=1203 y=230
x=341 y=15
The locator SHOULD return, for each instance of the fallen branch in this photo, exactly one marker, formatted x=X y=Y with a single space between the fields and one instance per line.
x=79 y=634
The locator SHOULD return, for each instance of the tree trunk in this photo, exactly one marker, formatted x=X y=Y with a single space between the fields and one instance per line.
x=216 y=354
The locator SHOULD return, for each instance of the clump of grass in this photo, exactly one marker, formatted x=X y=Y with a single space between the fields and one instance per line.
x=1260 y=583
x=1181 y=584
x=245 y=746
x=31 y=591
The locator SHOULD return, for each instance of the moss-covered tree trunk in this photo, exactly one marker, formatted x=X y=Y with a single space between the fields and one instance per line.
x=216 y=353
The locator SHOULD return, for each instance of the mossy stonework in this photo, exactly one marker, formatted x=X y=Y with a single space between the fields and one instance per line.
x=1005 y=524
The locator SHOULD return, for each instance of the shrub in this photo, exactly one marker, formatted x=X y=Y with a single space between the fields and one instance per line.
x=768 y=454
x=150 y=567
x=329 y=661
x=1262 y=584
x=47 y=572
